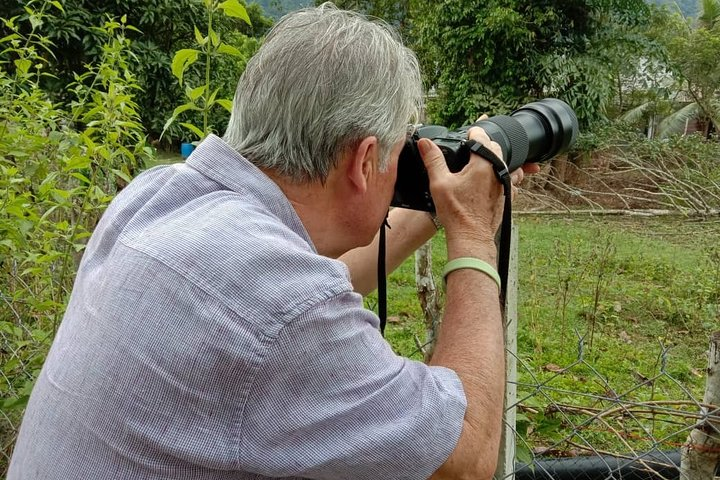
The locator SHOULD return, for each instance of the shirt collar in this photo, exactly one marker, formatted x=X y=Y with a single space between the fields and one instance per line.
x=218 y=161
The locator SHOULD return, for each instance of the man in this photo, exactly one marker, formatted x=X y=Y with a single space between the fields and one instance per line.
x=213 y=334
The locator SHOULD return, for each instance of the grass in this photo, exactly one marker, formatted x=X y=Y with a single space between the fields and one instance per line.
x=164 y=157
x=643 y=294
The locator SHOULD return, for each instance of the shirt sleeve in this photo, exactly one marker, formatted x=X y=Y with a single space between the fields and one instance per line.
x=332 y=401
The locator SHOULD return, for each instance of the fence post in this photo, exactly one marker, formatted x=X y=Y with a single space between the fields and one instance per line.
x=701 y=452
x=429 y=298
x=506 y=461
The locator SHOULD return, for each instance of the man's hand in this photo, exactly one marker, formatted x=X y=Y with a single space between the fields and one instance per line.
x=468 y=203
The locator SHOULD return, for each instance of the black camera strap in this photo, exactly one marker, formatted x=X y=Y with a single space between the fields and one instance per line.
x=503 y=174
x=382 y=279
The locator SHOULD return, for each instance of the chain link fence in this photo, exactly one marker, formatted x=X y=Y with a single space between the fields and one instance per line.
x=596 y=432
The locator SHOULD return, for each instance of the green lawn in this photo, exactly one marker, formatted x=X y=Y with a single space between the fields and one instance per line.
x=643 y=294
x=164 y=157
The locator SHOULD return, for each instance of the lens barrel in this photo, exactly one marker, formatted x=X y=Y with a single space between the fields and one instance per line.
x=533 y=133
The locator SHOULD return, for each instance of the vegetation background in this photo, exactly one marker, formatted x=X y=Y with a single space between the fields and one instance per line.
x=94 y=92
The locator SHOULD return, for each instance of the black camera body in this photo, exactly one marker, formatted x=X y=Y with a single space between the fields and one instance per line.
x=533 y=133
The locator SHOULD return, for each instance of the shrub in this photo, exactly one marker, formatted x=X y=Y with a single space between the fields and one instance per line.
x=60 y=165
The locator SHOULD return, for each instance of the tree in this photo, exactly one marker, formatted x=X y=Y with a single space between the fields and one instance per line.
x=493 y=56
x=691 y=57
x=165 y=26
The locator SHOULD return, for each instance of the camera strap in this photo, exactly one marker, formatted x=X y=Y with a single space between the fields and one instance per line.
x=382 y=279
x=503 y=174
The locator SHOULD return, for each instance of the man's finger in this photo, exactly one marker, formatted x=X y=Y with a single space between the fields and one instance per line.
x=517 y=176
x=531 y=168
x=432 y=158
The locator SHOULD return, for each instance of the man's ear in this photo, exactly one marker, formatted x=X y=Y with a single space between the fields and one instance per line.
x=362 y=162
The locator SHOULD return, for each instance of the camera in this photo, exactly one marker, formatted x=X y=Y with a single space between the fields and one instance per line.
x=533 y=133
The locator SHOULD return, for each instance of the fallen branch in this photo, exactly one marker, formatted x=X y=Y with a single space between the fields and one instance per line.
x=635 y=213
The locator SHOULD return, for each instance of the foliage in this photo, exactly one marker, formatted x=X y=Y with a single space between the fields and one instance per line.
x=164 y=26
x=686 y=87
x=204 y=97
x=393 y=12
x=693 y=57
x=60 y=165
x=494 y=56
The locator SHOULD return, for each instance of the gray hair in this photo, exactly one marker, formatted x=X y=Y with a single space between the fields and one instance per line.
x=323 y=80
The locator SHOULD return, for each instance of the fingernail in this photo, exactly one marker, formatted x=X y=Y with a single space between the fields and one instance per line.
x=424 y=145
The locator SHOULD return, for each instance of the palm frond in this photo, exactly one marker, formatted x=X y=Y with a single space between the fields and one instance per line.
x=710 y=14
x=675 y=122
x=636 y=114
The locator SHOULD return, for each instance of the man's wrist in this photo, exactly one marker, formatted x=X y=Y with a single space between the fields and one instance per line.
x=469 y=246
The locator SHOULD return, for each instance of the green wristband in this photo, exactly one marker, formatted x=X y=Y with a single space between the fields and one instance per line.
x=471 y=263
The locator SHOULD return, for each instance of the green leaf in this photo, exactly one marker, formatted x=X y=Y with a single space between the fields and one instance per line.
x=35 y=21
x=225 y=103
x=77 y=163
x=57 y=5
x=214 y=38
x=23 y=65
x=199 y=37
x=230 y=50
x=122 y=175
x=213 y=95
x=194 y=129
x=12 y=36
x=182 y=108
x=524 y=455
x=233 y=8
x=195 y=93
x=81 y=177
x=182 y=60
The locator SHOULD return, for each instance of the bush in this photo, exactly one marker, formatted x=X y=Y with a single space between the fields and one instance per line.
x=163 y=27
x=60 y=165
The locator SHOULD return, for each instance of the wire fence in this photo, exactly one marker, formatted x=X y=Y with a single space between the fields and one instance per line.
x=596 y=432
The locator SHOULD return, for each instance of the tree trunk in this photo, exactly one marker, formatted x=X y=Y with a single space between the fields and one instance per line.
x=701 y=452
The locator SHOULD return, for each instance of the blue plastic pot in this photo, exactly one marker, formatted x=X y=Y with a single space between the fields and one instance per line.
x=186 y=149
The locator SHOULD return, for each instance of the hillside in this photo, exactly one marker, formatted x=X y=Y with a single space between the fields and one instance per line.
x=277 y=8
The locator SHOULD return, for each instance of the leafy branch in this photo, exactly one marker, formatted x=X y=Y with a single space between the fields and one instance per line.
x=204 y=97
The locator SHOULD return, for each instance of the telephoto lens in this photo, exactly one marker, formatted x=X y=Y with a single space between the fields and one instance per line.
x=533 y=133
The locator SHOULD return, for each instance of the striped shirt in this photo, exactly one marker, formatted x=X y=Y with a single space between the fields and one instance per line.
x=206 y=338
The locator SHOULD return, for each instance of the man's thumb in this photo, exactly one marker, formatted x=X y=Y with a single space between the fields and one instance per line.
x=432 y=157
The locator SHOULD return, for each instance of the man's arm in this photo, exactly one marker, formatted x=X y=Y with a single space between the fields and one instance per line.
x=409 y=229
x=471 y=338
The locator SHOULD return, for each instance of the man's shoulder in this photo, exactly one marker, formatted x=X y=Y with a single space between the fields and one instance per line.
x=243 y=255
